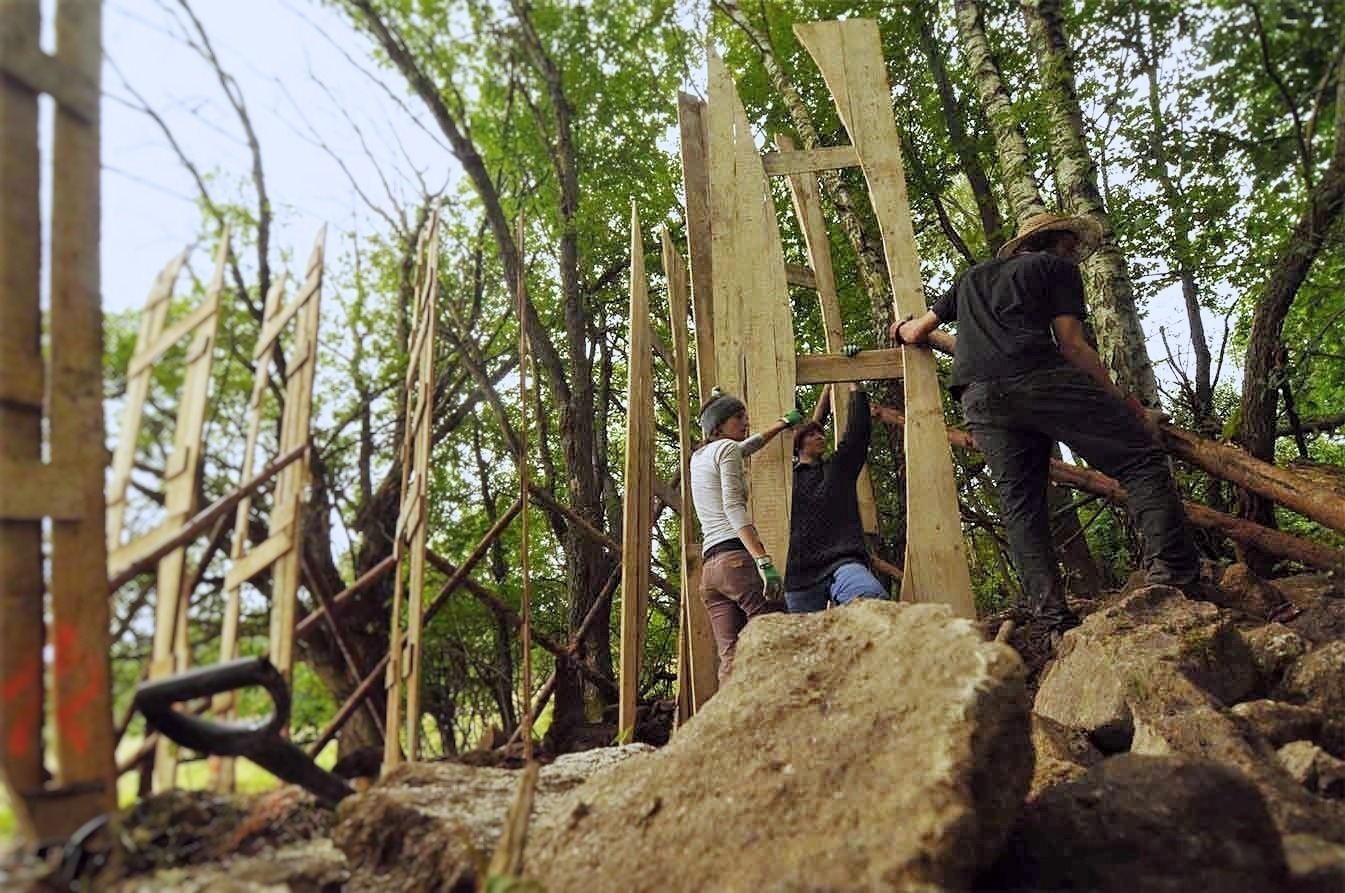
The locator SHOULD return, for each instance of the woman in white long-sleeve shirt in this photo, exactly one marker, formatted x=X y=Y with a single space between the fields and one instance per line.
x=738 y=578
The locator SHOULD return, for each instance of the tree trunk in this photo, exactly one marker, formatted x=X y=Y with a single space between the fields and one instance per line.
x=1015 y=161
x=1259 y=386
x=992 y=224
x=1116 y=321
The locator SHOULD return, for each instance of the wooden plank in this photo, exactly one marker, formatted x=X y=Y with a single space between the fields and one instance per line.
x=803 y=277
x=637 y=515
x=41 y=73
x=274 y=326
x=696 y=185
x=259 y=558
x=754 y=336
x=698 y=668
x=22 y=383
x=849 y=55
x=867 y=365
x=80 y=609
x=806 y=197
x=170 y=336
x=31 y=491
x=137 y=391
x=792 y=162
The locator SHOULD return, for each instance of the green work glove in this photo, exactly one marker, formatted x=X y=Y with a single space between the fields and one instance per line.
x=791 y=418
x=770 y=577
x=850 y=350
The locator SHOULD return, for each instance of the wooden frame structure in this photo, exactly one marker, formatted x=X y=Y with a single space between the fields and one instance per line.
x=61 y=393
x=170 y=651
x=409 y=541
x=281 y=551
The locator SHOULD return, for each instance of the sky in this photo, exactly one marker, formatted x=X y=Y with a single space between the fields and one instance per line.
x=301 y=69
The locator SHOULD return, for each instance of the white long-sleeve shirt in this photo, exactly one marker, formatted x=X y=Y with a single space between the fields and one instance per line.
x=719 y=488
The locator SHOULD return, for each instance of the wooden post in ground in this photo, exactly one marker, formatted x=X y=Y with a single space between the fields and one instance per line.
x=754 y=334
x=849 y=55
x=698 y=663
x=68 y=491
x=807 y=200
x=638 y=508
x=411 y=533
x=696 y=184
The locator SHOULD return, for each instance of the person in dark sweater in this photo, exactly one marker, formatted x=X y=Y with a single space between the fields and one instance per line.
x=828 y=561
x=1027 y=378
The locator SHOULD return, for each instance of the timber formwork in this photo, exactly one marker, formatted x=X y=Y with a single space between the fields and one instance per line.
x=51 y=431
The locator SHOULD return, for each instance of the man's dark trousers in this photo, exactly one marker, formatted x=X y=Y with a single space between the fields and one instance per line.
x=1016 y=422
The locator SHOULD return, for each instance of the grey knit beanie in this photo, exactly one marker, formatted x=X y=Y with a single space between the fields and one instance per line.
x=719 y=409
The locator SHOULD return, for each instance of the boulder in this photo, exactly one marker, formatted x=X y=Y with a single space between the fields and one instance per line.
x=882 y=745
x=430 y=826
x=1318 y=680
x=1322 y=621
x=1154 y=643
x=1314 y=768
x=1278 y=722
x=1061 y=754
x=1303 y=590
x=1316 y=865
x=1154 y=824
x=1274 y=648
x=1242 y=590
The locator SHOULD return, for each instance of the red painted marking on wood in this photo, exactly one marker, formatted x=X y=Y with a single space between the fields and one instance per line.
x=23 y=707
x=82 y=667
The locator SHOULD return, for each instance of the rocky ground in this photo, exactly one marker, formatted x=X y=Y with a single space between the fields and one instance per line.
x=1167 y=744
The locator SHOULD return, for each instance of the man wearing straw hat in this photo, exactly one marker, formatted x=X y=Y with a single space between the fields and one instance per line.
x=1027 y=377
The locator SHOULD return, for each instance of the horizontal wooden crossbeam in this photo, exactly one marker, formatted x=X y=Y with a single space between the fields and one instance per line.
x=42 y=73
x=867 y=365
x=31 y=491
x=806 y=161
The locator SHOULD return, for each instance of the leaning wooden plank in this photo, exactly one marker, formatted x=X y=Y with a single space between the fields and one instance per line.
x=80 y=609
x=696 y=186
x=791 y=162
x=867 y=365
x=637 y=515
x=180 y=502
x=697 y=673
x=168 y=339
x=803 y=277
x=807 y=200
x=754 y=334
x=850 y=57
x=23 y=377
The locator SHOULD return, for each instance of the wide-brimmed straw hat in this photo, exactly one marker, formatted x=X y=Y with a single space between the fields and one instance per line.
x=1086 y=228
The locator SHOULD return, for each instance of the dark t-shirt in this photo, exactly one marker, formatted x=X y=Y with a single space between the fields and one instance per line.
x=1004 y=309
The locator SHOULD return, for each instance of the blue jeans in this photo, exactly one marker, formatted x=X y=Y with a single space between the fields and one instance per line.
x=843 y=585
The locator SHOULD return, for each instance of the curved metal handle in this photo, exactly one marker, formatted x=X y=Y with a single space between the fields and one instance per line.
x=155 y=699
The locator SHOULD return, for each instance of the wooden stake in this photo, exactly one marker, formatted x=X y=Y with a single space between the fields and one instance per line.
x=516 y=833
x=696 y=185
x=637 y=510
x=849 y=55
x=697 y=673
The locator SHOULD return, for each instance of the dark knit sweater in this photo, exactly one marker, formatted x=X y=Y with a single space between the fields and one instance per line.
x=824 y=527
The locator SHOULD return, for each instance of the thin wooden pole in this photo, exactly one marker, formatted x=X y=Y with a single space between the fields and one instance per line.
x=524 y=563
x=637 y=511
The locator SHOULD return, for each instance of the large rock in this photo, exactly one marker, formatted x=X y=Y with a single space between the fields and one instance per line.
x=1322 y=621
x=1242 y=590
x=877 y=746
x=1303 y=590
x=1314 y=768
x=1061 y=754
x=431 y=826
x=1154 y=643
x=1274 y=649
x=1152 y=824
x=1318 y=680
x=1278 y=722
x=1317 y=865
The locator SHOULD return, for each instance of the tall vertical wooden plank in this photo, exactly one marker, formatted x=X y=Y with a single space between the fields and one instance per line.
x=170 y=654
x=152 y=321
x=754 y=334
x=807 y=200
x=849 y=55
x=80 y=608
x=697 y=672
x=696 y=185
x=286 y=514
x=637 y=515
x=22 y=382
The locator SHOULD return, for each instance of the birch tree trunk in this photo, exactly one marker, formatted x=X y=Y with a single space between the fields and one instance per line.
x=1116 y=321
x=1015 y=161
